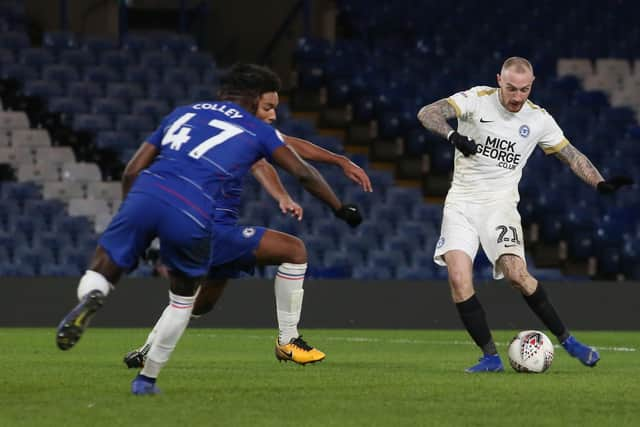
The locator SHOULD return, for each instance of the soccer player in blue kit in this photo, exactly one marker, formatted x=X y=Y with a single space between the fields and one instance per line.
x=170 y=187
x=238 y=249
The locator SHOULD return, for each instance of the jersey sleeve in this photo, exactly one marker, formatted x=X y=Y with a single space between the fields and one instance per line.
x=271 y=140
x=465 y=103
x=552 y=138
x=156 y=137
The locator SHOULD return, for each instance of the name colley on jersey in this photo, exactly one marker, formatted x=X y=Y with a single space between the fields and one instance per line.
x=502 y=150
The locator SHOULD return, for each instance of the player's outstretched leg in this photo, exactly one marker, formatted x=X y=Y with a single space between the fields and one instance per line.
x=589 y=356
x=142 y=385
x=92 y=291
x=297 y=350
x=73 y=325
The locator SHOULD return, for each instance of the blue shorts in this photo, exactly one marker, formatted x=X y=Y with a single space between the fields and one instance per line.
x=184 y=244
x=232 y=250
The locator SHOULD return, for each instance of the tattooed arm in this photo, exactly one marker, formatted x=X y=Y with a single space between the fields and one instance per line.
x=434 y=117
x=580 y=165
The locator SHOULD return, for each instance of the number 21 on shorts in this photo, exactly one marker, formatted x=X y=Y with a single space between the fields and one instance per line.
x=507 y=234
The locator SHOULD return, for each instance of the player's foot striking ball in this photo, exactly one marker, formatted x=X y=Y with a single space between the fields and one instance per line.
x=585 y=354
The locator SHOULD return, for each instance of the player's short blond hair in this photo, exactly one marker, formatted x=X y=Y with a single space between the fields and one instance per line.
x=519 y=65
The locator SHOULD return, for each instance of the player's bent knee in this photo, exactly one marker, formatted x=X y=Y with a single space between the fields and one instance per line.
x=298 y=253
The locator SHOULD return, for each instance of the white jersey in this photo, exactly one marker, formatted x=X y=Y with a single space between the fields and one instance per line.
x=505 y=142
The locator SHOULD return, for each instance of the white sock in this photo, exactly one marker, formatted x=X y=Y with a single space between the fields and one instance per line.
x=289 y=292
x=169 y=329
x=93 y=280
x=152 y=335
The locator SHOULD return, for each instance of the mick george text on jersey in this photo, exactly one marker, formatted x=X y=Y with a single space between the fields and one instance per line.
x=501 y=150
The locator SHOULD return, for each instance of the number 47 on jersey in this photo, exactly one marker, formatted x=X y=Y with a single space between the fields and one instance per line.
x=178 y=134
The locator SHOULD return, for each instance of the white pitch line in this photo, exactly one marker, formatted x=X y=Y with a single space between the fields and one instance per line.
x=404 y=341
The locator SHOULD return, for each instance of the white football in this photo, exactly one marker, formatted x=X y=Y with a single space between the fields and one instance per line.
x=531 y=351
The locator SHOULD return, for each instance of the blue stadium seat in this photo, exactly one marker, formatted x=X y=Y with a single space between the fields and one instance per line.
x=42 y=88
x=9 y=209
x=201 y=92
x=77 y=58
x=14 y=40
x=75 y=227
x=54 y=241
x=20 y=192
x=417 y=273
x=138 y=43
x=25 y=226
x=91 y=122
x=177 y=44
x=85 y=90
x=35 y=257
x=202 y=62
x=67 y=106
x=285 y=224
x=115 y=140
x=580 y=243
x=170 y=93
x=62 y=74
x=99 y=44
x=155 y=107
x=101 y=75
x=384 y=258
x=159 y=60
x=117 y=59
x=18 y=72
x=109 y=106
x=59 y=40
x=60 y=270
x=36 y=57
x=319 y=242
x=47 y=211
x=125 y=91
x=16 y=270
x=184 y=76
x=372 y=272
x=135 y=123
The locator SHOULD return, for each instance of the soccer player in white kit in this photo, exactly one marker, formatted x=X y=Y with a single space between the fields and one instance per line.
x=498 y=129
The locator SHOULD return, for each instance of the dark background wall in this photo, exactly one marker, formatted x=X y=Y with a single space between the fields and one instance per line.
x=232 y=31
x=329 y=304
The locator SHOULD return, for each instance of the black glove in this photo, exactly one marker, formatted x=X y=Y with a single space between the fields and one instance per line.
x=612 y=185
x=349 y=214
x=466 y=145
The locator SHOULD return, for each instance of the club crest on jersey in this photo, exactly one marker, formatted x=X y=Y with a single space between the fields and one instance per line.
x=524 y=131
x=248 y=232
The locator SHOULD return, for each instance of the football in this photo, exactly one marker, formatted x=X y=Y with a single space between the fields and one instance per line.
x=530 y=351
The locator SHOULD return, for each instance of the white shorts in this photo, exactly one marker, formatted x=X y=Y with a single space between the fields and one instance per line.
x=496 y=226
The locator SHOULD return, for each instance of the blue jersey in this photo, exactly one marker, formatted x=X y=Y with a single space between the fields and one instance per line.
x=205 y=150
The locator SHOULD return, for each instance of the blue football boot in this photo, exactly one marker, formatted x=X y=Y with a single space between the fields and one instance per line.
x=73 y=325
x=585 y=354
x=487 y=363
x=142 y=385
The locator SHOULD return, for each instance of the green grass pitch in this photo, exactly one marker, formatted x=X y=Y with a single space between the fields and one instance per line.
x=229 y=377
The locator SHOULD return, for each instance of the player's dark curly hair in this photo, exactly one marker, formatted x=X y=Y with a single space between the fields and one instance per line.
x=245 y=83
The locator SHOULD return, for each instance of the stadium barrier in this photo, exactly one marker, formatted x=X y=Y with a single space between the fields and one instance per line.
x=42 y=302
